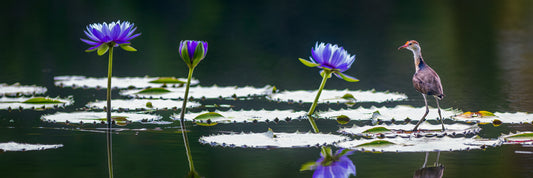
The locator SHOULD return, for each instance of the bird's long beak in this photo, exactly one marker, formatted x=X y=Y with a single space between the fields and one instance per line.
x=404 y=46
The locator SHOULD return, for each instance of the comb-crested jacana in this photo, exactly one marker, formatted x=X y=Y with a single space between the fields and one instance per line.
x=425 y=80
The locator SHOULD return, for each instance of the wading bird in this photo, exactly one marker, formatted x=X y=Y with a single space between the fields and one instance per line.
x=425 y=80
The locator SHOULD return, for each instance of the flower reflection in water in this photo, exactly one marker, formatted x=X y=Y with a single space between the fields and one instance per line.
x=332 y=166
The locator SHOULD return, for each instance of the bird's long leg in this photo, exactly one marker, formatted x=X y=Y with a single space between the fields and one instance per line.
x=441 y=120
x=423 y=117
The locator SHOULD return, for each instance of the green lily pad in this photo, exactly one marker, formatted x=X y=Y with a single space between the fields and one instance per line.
x=41 y=100
x=524 y=135
x=485 y=113
x=149 y=105
x=348 y=96
x=119 y=120
x=209 y=115
x=496 y=122
x=343 y=119
x=167 y=80
x=376 y=143
x=153 y=91
x=206 y=124
x=377 y=130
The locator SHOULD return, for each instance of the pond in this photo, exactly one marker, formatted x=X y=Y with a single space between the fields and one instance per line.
x=481 y=51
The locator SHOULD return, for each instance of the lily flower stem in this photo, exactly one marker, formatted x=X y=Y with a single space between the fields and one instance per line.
x=182 y=121
x=109 y=122
x=325 y=76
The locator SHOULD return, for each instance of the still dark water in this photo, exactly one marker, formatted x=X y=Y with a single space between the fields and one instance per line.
x=482 y=50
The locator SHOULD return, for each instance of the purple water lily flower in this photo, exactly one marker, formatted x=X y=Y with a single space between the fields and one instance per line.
x=115 y=33
x=332 y=59
x=338 y=165
x=192 y=52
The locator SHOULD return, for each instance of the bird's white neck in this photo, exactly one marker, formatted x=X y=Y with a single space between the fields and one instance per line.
x=417 y=58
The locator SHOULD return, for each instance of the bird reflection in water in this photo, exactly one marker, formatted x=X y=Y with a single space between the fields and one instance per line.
x=435 y=171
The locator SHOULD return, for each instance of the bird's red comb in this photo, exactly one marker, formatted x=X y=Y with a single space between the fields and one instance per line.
x=407 y=44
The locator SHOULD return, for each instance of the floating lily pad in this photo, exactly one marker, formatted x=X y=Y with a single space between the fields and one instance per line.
x=13 y=146
x=34 y=102
x=348 y=96
x=118 y=82
x=149 y=104
x=405 y=130
x=469 y=114
x=42 y=100
x=272 y=140
x=153 y=91
x=376 y=143
x=398 y=113
x=209 y=115
x=519 y=138
x=231 y=116
x=207 y=92
x=97 y=117
x=208 y=118
x=528 y=135
x=119 y=120
x=342 y=96
x=342 y=119
x=137 y=104
x=17 y=89
x=420 y=144
x=169 y=80
x=377 y=130
x=206 y=124
x=498 y=118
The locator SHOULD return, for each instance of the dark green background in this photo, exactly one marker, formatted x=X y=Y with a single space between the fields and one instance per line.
x=482 y=50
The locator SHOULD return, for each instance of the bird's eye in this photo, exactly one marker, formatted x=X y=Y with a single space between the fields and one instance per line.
x=410 y=44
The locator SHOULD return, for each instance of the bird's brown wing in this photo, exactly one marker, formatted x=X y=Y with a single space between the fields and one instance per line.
x=427 y=81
